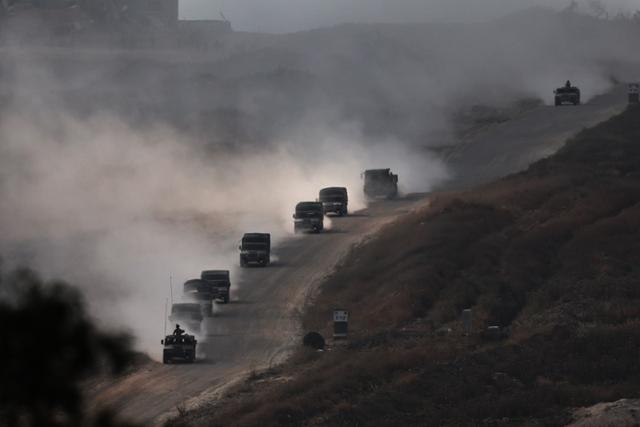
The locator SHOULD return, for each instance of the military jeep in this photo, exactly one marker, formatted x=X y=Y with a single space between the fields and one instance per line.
x=179 y=347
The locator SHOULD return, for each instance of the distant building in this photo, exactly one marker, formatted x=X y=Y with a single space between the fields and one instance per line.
x=159 y=12
x=202 y=32
x=133 y=23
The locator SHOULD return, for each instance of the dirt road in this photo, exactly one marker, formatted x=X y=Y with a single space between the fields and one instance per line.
x=257 y=328
x=260 y=326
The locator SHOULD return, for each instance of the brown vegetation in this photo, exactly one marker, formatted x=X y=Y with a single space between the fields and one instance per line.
x=550 y=255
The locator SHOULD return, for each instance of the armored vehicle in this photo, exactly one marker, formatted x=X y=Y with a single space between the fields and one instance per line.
x=309 y=216
x=187 y=313
x=200 y=291
x=255 y=248
x=179 y=347
x=220 y=283
x=334 y=200
x=567 y=95
x=380 y=183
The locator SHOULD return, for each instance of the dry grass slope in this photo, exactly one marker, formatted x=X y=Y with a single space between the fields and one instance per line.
x=552 y=254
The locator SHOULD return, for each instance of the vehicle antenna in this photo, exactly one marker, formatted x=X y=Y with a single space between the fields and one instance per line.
x=171 y=287
x=166 y=304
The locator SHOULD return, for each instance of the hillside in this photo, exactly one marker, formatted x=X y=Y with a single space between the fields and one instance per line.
x=550 y=255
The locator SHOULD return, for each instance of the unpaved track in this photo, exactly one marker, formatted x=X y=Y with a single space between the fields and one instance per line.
x=260 y=326
x=257 y=328
x=512 y=146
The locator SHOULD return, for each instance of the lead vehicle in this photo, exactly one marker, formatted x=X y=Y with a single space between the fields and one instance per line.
x=179 y=347
x=567 y=95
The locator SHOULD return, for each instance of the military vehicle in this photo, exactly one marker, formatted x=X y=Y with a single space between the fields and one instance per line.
x=187 y=313
x=200 y=291
x=309 y=216
x=220 y=283
x=567 y=95
x=255 y=248
x=334 y=200
x=179 y=347
x=380 y=183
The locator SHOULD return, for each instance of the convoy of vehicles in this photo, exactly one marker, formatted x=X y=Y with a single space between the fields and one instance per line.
x=334 y=200
x=309 y=216
x=380 y=183
x=220 y=283
x=255 y=248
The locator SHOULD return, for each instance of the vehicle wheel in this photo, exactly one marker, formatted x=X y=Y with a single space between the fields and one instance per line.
x=242 y=263
x=165 y=360
x=225 y=299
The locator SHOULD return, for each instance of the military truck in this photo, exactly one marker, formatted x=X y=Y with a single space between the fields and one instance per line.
x=567 y=95
x=188 y=314
x=334 y=200
x=380 y=183
x=200 y=291
x=255 y=248
x=309 y=216
x=220 y=282
x=179 y=347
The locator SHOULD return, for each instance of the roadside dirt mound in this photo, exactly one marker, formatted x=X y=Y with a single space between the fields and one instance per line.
x=621 y=413
x=548 y=257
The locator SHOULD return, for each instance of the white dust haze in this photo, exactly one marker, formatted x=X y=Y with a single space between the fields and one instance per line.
x=117 y=209
x=118 y=169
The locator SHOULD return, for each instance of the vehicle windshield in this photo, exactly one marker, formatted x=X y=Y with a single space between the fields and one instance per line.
x=376 y=173
x=331 y=195
x=254 y=246
x=308 y=207
x=216 y=277
x=567 y=90
x=182 y=339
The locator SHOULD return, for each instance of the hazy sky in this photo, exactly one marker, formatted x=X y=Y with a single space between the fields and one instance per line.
x=295 y=15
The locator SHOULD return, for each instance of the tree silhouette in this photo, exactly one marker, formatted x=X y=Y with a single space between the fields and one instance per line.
x=48 y=347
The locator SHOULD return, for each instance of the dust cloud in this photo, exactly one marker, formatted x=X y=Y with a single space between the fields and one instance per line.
x=118 y=170
x=118 y=209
